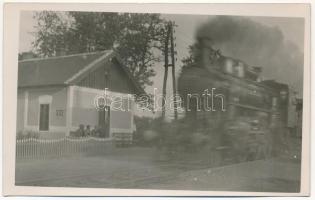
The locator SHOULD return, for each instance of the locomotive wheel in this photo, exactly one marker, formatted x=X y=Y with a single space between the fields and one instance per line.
x=263 y=151
x=241 y=158
x=259 y=152
x=252 y=156
x=267 y=151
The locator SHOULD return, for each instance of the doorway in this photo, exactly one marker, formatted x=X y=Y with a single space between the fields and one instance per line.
x=44 y=117
x=104 y=121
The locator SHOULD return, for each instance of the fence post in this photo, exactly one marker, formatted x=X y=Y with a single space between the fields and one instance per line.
x=23 y=148
x=35 y=148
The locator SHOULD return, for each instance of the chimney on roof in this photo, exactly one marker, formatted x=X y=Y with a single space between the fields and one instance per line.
x=240 y=69
x=257 y=70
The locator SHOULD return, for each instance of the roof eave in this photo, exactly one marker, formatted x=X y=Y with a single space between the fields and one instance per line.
x=42 y=86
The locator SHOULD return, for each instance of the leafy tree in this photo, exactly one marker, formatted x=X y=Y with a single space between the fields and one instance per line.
x=52 y=34
x=189 y=60
x=138 y=38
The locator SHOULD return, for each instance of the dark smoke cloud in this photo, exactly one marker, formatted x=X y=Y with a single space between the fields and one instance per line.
x=257 y=45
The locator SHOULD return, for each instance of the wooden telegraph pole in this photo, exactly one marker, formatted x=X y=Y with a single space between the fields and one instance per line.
x=165 y=70
x=169 y=40
x=173 y=71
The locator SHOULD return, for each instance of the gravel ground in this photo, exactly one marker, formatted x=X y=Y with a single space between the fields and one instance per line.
x=140 y=168
x=275 y=175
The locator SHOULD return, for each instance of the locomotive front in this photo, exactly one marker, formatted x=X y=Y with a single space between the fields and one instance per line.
x=242 y=121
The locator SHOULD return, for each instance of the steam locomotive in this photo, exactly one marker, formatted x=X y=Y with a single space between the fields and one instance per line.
x=249 y=119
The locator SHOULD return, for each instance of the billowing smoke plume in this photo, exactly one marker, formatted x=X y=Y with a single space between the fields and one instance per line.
x=257 y=45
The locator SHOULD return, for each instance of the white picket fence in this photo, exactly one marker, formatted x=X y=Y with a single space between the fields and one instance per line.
x=33 y=148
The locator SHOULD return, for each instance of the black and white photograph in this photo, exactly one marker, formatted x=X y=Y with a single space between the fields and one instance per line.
x=160 y=101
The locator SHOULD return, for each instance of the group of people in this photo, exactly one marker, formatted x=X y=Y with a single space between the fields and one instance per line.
x=86 y=131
